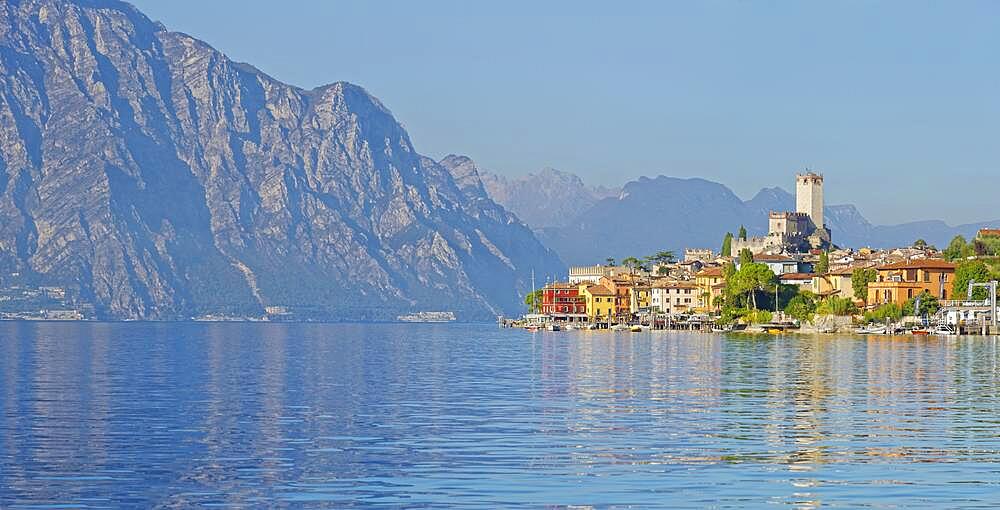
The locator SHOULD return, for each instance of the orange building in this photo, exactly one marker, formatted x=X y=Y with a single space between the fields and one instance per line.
x=901 y=281
x=622 y=289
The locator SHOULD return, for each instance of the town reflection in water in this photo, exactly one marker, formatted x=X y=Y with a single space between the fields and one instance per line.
x=175 y=415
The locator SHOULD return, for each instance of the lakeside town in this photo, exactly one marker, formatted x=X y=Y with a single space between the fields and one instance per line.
x=794 y=278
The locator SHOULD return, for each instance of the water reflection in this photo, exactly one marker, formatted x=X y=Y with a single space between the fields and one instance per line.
x=171 y=415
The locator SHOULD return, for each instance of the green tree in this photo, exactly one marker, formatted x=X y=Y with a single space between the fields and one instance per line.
x=533 y=300
x=920 y=243
x=957 y=248
x=746 y=256
x=727 y=245
x=610 y=261
x=801 y=307
x=988 y=244
x=980 y=248
x=750 y=278
x=728 y=270
x=966 y=271
x=823 y=266
x=860 y=278
x=663 y=257
x=633 y=264
x=743 y=233
x=928 y=305
x=663 y=271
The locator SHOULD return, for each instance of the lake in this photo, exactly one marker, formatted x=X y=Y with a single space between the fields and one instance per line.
x=173 y=415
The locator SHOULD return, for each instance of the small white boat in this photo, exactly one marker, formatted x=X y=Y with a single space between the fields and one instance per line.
x=944 y=330
x=872 y=330
x=553 y=327
x=620 y=327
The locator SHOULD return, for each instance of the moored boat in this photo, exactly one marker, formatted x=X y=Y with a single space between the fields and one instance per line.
x=944 y=330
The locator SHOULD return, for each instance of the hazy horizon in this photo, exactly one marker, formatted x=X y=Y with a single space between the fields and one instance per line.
x=740 y=93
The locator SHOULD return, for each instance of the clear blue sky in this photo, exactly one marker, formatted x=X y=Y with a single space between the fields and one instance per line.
x=898 y=103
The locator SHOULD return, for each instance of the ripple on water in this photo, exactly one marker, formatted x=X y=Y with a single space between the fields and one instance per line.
x=237 y=415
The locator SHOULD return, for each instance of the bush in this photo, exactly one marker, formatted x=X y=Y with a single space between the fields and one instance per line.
x=928 y=305
x=888 y=311
x=759 y=316
x=801 y=307
x=839 y=306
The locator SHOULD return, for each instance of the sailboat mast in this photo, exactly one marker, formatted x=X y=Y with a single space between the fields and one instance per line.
x=534 y=305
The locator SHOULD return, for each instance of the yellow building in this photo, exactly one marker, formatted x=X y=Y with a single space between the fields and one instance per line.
x=904 y=280
x=835 y=283
x=642 y=297
x=711 y=283
x=600 y=301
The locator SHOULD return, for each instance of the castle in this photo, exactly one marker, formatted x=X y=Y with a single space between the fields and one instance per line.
x=794 y=232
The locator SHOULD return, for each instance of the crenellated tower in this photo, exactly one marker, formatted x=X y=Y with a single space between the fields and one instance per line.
x=809 y=196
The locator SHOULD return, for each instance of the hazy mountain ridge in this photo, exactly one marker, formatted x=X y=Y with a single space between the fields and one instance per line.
x=549 y=198
x=165 y=180
x=672 y=213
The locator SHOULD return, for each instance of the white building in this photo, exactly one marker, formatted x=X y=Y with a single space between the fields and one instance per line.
x=670 y=296
x=593 y=274
x=698 y=255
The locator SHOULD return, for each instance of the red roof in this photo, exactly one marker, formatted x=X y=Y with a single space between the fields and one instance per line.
x=796 y=276
x=772 y=258
x=599 y=290
x=918 y=264
x=710 y=271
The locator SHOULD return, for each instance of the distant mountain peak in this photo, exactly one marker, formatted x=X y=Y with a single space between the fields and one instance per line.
x=547 y=198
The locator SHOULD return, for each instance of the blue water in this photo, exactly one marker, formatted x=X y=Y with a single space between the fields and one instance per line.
x=424 y=416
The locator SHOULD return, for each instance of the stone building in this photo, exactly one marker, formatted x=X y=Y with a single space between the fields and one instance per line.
x=794 y=231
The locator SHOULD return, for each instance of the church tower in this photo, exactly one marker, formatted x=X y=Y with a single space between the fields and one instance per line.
x=809 y=197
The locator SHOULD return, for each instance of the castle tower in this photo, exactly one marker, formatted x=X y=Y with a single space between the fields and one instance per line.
x=809 y=196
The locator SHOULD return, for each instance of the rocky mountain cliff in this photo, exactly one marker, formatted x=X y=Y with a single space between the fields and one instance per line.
x=164 y=180
x=549 y=198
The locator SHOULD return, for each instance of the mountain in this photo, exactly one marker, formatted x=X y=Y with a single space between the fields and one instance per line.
x=671 y=213
x=163 y=180
x=850 y=228
x=649 y=215
x=549 y=198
